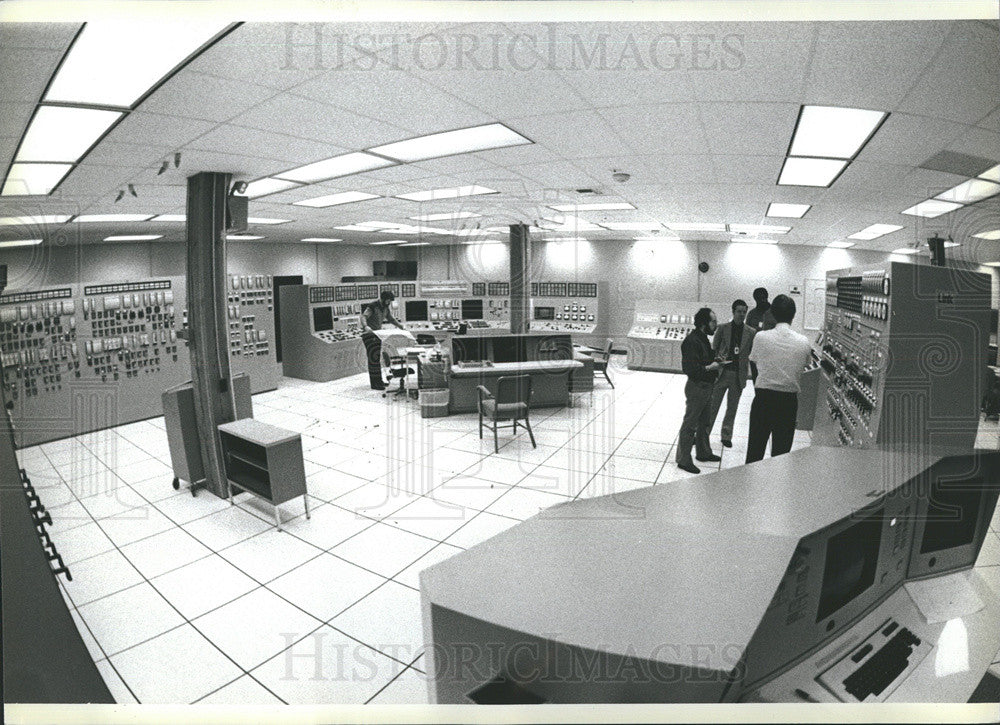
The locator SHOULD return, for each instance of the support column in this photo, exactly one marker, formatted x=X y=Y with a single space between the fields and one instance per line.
x=208 y=338
x=520 y=279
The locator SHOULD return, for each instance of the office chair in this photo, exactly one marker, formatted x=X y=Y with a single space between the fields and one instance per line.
x=601 y=360
x=397 y=370
x=512 y=402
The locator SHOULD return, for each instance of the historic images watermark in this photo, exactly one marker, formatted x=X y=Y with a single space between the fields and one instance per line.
x=323 y=46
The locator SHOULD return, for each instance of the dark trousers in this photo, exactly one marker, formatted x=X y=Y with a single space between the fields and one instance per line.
x=728 y=385
x=772 y=415
x=694 y=429
x=373 y=352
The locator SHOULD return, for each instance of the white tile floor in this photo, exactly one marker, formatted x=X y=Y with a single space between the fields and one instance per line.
x=186 y=599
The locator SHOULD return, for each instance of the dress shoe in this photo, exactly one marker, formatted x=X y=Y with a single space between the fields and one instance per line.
x=689 y=467
x=727 y=444
x=710 y=458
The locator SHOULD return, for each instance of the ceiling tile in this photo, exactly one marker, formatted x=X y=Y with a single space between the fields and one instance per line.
x=580 y=134
x=156 y=129
x=562 y=175
x=748 y=169
x=86 y=180
x=14 y=118
x=991 y=121
x=978 y=141
x=751 y=129
x=199 y=95
x=908 y=139
x=132 y=155
x=653 y=128
x=507 y=93
x=37 y=36
x=238 y=140
x=26 y=73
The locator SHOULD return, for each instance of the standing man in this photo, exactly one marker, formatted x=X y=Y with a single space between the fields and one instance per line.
x=761 y=317
x=781 y=355
x=733 y=342
x=699 y=364
x=373 y=316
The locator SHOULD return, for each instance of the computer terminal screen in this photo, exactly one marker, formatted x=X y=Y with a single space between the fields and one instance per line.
x=322 y=319
x=472 y=309
x=416 y=310
x=851 y=563
x=952 y=515
x=465 y=349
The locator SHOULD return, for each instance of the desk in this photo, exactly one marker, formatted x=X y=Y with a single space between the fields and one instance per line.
x=549 y=382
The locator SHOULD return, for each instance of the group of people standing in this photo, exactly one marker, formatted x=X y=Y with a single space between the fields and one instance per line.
x=758 y=344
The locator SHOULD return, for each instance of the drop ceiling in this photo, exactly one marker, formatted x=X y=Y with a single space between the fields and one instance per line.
x=700 y=145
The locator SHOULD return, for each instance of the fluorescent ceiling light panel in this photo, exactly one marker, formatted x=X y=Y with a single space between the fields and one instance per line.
x=449 y=143
x=14 y=221
x=565 y=239
x=810 y=172
x=952 y=244
x=446 y=216
x=343 y=165
x=792 y=211
x=597 y=206
x=57 y=133
x=242 y=237
x=971 y=191
x=569 y=223
x=321 y=239
x=875 y=231
x=416 y=244
x=33 y=179
x=20 y=243
x=932 y=208
x=483 y=241
x=663 y=238
x=388 y=241
x=991 y=174
x=840 y=244
x=115 y=62
x=356 y=228
x=833 y=133
x=752 y=240
x=343 y=197
x=262 y=187
x=133 y=238
x=266 y=220
x=632 y=226
x=993 y=235
x=169 y=218
x=448 y=193
x=87 y=218
x=906 y=250
x=758 y=229
x=472 y=232
x=697 y=227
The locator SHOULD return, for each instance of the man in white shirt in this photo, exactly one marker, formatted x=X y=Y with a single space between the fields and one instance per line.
x=781 y=354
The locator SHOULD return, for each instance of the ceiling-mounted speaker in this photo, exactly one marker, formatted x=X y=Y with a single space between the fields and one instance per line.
x=703 y=267
x=237 y=211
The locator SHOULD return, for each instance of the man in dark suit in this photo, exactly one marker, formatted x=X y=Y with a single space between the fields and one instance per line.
x=761 y=317
x=701 y=369
x=732 y=344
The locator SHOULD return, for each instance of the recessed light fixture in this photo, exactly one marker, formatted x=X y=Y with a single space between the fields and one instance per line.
x=356 y=228
x=86 y=218
x=334 y=167
x=416 y=244
x=952 y=244
x=20 y=243
x=810 y=172
x=266 y=220
x=388 y=241
x=753 y=240
x=60 y=133
x=564 y=239
x=569 y=223
x=596 y=206
x=971 y=191
x=449 y=143
x=446 y=216
x=116 y=62
x=242 y=237
x=992 y=174
x=993 y=235
x=343 y=197
x=632 y=226
x=321 y=239
x=446 y=193
x=758 y=229
x=906 y=250
x=14 y=221
x=793 y=211
x=482 y=241
x=697 y=227
x=133 y=238
x=932 y=208
x=840 y=244
x=832 y=132
x=992 y=264
x=472 y=232
x=25 y=179
x=169 y=218
x=263 y=187
x=875 y=231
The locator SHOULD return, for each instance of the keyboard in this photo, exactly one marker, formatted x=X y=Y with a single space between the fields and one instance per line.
x=883 y=667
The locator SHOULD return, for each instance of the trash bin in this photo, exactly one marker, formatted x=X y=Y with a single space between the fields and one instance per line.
x=433 y=403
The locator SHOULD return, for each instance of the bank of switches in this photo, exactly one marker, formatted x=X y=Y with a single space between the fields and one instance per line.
x=38 y=347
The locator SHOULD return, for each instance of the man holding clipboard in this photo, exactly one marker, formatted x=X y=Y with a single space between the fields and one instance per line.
x=731 y=345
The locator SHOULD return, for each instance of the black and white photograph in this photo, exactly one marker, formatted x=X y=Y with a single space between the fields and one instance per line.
x=516 y=361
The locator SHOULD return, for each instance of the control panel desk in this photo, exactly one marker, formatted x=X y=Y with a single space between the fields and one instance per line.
x=549 y=382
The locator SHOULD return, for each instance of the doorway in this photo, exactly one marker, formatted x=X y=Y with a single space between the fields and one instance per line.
x=280 y=282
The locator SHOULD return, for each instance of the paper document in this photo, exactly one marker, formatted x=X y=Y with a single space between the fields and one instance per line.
x=945 y=597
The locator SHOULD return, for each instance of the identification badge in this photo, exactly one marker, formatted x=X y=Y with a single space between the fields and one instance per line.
x=736 y=350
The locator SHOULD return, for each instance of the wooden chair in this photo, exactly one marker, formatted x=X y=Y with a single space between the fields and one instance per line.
x=601 y=360
x=512 y=402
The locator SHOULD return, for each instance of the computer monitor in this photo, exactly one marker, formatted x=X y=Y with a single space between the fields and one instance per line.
x=852 y=557
x=472 y=309
x=957 y=497
x=416 y=310
x=545 y=313
x=509 y=349
x=322 y=318
x=465 y=349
